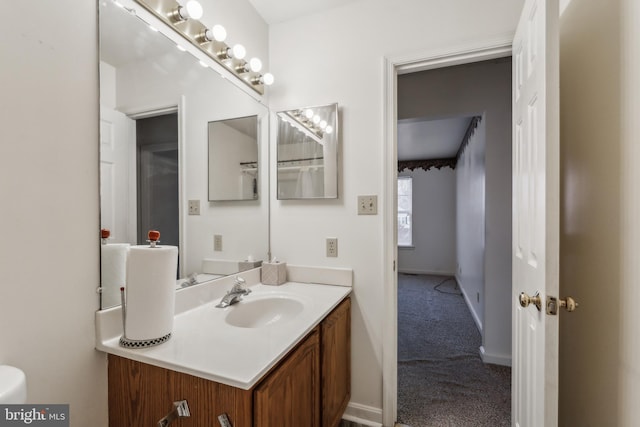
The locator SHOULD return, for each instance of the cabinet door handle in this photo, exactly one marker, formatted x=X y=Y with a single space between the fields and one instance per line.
x=180 y=410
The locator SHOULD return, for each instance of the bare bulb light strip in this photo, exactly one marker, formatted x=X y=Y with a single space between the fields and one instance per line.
x=211 y=41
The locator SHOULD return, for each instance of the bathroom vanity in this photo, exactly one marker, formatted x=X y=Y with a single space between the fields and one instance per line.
x=292 y=369
x=310 y=386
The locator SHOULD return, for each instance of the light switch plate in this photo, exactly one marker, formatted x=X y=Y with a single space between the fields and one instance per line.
x=332 y=247
x=367 y=205
x=217 y=242
x=194 y=207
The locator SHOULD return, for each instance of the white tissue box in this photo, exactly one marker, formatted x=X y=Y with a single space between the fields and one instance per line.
x=274 y=273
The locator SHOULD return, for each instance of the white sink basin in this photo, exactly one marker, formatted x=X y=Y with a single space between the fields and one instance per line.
x=266 y=311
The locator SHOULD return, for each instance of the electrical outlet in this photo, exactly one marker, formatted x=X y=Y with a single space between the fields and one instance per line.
x=217 y=242
x=194 y=207
x=367 y=205
x=332 y=247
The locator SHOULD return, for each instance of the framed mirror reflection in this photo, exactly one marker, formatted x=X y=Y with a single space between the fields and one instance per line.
x=307 y=147
x=233 y=159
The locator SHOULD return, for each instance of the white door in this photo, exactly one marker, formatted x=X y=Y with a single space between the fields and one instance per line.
x=535 y=251
x=116 y=133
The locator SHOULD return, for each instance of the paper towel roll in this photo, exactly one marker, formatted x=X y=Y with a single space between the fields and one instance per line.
x=113 y=272
x=150 y=291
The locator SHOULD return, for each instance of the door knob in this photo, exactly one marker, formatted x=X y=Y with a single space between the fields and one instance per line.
x=568 y=303
x=526 y=300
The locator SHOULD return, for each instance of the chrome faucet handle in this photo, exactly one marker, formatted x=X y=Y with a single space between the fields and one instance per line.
x=240 y=281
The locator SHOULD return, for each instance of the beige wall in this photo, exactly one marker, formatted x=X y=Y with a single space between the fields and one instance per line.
x=599 y=362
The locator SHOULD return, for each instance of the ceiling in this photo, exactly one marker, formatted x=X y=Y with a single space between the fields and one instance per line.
x=424 y=138
x=274 y=11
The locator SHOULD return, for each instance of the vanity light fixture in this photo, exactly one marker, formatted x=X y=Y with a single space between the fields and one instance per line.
x=238 y=51
x=255 y=64
x=184 y=19
x=192 y=10
x=217 y=33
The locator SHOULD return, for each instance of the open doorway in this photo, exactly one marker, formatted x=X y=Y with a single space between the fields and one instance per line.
x=454 y=281
x=157 y=181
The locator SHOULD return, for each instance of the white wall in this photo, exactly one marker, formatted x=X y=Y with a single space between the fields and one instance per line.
x=471 y=224
x=50 y=210
x=600 y=207
x=482 y=88
x=434 y=223
x=49 y=215
x=337 y=56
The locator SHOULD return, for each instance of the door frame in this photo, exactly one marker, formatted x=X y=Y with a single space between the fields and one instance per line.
x=395 y=65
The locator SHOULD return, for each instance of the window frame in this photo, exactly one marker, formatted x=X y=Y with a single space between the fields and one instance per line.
x=410 y=213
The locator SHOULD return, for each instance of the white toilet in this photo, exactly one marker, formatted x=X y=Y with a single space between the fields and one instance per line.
x=13 y=385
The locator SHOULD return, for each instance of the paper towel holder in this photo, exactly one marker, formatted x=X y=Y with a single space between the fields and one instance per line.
x=153 y=237
x=129 y=343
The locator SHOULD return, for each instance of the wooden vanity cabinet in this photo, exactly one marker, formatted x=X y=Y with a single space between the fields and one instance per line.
x=335 y=333
x=310 y=387
x=290 y=395
x=142 y=394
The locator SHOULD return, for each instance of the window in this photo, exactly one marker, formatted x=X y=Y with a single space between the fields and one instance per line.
x=405 y=208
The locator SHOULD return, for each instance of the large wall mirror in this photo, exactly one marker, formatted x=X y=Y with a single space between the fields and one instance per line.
x=308 y=153
x=156 y=106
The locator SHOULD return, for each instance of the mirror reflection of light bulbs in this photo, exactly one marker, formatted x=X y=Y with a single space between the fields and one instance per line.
x=194 y=9
x=219 y=33
x=268 y=79
x=316 y=119
x=308 y=113
x=323 y=124
x=239 y=51
x=255 y=64
x=328 y=129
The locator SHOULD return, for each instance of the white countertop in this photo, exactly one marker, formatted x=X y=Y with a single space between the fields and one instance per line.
x=203 y=344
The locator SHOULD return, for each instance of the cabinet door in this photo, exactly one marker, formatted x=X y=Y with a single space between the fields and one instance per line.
x=290 y=395
x=141 y=395
x=336 y=363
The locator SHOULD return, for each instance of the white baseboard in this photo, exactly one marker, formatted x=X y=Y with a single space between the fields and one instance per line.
x=363 y=414
x=496 y=359
x=473 y=312
x=418 y=271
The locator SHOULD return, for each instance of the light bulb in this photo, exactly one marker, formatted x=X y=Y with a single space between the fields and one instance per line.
x=194 y=9
x=268 y=79
x=308 y=113
x=323 y=124
x=219 y=33
x=255 y=64
x=316 y=119
x=328 y=129
x=239 y=51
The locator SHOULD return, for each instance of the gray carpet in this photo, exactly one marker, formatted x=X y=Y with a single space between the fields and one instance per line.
x=441 y=378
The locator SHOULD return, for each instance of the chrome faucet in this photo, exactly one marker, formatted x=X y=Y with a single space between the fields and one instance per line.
x=235 y=294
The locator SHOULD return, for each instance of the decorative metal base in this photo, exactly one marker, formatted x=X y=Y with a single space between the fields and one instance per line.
x=129 y=343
